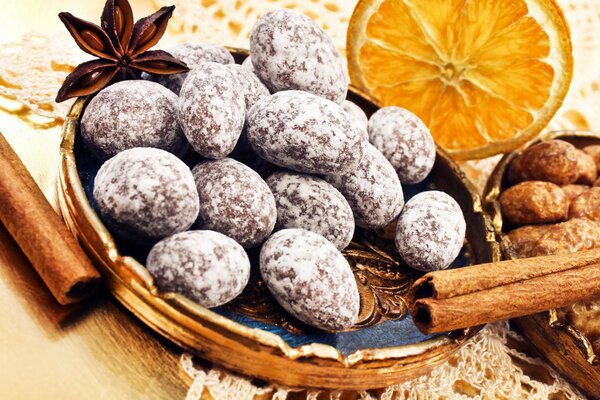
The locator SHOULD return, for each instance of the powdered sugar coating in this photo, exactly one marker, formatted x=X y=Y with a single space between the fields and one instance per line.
x=372 y=189
x=146 y=194
x=204 y=266
x=310 y=203
x=290 y=52
x=253 y=88
x=306 y=133
x=247 y=63
x=430 y=231
x=405 y=141
x=132 y=114
x=235 y=201
x=212 y=110
x=356 y=112
x=310 y=278
x=193 y=54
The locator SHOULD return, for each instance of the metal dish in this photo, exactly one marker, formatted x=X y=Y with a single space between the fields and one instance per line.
x=563 y=345
x=253 y=336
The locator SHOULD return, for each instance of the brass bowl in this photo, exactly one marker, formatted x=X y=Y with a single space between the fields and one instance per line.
x=255 y=337
x=560 y=343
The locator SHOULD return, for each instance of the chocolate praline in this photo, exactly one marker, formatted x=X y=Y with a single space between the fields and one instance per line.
x=132 y=114
x=193 y=55
x=310 y=203
x=405 y=141
x=310 y=278
x=290 y=52
x=146 y=194
x=235 y=201
x=372 y=189
x=205 y=266
x=305 y=133
x=430 y=231
x=212 y=110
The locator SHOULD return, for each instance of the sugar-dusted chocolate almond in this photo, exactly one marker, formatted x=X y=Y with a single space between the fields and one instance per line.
x=132 y=114
x=212 y=110
x=146 y=194
x=372 y=189
x=310 y=278
x=306 y=133
x=235 y=201
x=290 y=52
x=405 y=141
x=310 y=203
x=205 y=266
x=431 y=231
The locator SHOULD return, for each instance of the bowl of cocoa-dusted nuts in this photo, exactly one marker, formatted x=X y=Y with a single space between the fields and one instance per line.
x=349 y=330
x=545 y=200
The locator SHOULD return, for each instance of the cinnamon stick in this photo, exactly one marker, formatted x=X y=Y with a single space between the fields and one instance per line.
x=453 y=299
x=41 y=233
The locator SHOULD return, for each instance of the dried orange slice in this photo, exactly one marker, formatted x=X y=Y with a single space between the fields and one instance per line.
x=486 y=76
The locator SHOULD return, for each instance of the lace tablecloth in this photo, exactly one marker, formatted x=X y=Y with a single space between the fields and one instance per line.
x=490 y=366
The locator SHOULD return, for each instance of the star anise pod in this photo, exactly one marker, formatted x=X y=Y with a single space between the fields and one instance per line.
x=121 y=47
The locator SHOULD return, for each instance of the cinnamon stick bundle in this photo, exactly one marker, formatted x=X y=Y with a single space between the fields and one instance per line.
x=459 y=298
x=41 y=233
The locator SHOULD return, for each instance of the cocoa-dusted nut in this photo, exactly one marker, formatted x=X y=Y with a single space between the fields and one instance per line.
x=146 y=194
x=247 y=63
x=405 y=141
x=588 y=172
x=306 y=133
x=430 y=231
x=310 y=203
x=573 y=190
x=565 y=237
x=594 y=151
x=372 y=189
x=235 y=201
x=551 y=161
x=212 y=110
x=586 y=205
x=534 y=202
x=192 y=54
x=132 y=114
x=290 y=52
x=310 y=278
x=205 y=266
x=356 y=112
x=251 y=86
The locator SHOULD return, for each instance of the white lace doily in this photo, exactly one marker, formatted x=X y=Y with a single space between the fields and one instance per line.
x=485 y=368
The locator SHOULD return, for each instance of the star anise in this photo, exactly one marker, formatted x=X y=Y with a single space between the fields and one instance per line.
x=121 y=47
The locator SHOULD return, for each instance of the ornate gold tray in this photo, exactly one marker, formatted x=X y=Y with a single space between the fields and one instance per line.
x=563 y=345
x=253 y=335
